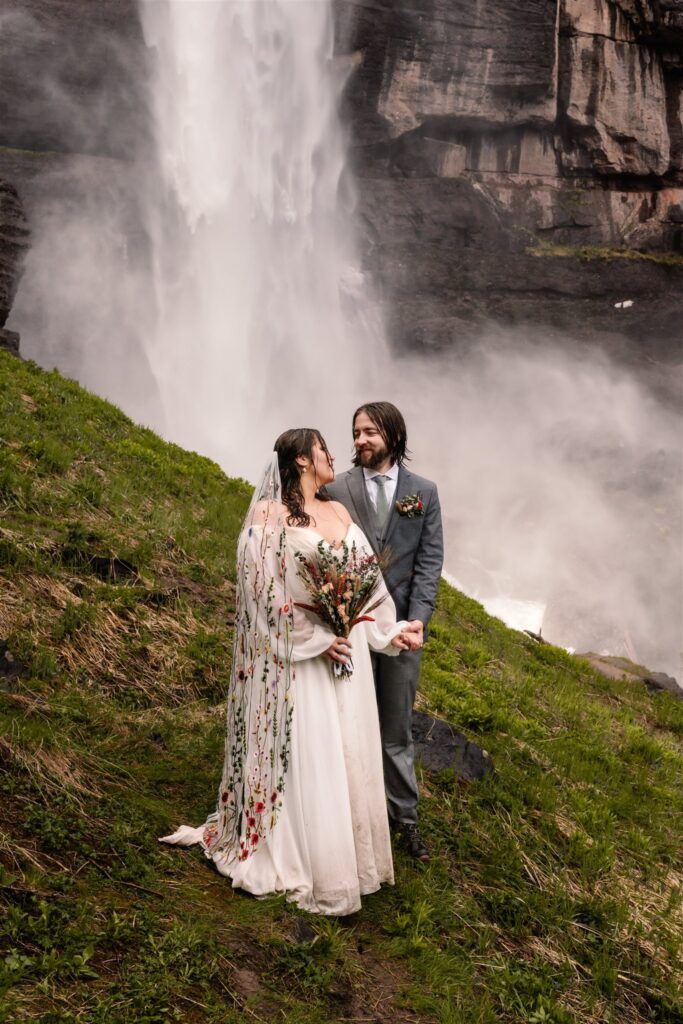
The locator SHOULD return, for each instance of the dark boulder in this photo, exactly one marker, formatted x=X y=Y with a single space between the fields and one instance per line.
x=657 y=682
x=438 y=747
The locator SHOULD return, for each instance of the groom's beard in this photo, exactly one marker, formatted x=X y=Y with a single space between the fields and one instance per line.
x=372 y=459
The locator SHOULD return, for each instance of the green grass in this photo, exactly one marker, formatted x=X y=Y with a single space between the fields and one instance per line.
x=555 y=893
x=588 y=253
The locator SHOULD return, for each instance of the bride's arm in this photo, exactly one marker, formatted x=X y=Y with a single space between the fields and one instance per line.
x=275 y=614
x=311 y=638
x=383 y=632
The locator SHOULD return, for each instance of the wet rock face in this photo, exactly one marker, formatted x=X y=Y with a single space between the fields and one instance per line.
x=73 y=120
x=474 y=63
x=485 y=132
x=593 y=85
x=14 y=238
x=612 y=92
x=68 y=76
x=481 y=132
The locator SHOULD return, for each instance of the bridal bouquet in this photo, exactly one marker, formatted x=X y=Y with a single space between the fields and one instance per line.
x=342 y=586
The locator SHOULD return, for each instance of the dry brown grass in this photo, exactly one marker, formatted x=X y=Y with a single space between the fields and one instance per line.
x=141 y=647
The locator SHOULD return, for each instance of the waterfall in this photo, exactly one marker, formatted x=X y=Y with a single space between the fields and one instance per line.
x=210 y=285
x=261 y=311
x=543 y=454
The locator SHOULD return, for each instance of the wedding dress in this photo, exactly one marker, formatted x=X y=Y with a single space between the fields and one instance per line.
x=301 y=806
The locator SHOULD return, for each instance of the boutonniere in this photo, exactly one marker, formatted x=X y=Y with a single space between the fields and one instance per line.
x=411 y=506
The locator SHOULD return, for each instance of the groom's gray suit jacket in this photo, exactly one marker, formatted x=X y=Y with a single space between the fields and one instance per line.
x=416 y=555
x=415 y=544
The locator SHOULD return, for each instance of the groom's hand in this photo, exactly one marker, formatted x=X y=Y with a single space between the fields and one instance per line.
x=414 y=635
x=417 y=632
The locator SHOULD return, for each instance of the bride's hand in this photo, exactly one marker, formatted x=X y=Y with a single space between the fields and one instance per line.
x=400 y=641
x=339 y=650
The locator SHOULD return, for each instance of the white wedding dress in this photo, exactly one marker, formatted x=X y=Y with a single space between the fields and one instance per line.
x=331 y=843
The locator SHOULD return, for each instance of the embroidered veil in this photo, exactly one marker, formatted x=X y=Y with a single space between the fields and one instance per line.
x=260 y=701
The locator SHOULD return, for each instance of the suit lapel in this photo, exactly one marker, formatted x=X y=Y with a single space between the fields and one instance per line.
x=356 y=485
x=402 y=490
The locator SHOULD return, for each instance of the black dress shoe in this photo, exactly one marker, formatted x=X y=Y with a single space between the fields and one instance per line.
x=411 y=840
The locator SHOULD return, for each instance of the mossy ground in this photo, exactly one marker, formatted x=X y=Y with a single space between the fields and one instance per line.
x=555 y=893
x=588 y=253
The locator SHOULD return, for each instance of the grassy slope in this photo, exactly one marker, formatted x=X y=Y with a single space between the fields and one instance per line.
x=556 y=891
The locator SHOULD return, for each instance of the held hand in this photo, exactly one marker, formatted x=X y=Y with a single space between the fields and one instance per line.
x=413 y=635
x=417 y=627
x=339 y=650
x=401 y=642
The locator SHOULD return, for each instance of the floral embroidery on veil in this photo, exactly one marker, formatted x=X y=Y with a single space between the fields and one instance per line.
x=260 y=701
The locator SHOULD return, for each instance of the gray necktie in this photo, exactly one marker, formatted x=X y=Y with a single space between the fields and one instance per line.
x=382 y=503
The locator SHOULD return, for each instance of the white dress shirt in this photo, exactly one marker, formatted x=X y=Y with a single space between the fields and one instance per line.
x=390 y=485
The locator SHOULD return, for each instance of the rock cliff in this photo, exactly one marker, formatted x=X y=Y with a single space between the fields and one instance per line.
x=521 y=162
x=73 y=120
x=13 y=244
x=69 y=76
x=516 y=162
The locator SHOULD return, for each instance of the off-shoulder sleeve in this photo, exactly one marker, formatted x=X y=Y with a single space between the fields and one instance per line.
x=310 y=639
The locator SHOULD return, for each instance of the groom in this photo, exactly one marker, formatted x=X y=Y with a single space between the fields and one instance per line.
x=400 y=511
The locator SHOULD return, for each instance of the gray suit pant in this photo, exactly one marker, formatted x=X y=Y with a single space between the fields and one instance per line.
x=395 y=686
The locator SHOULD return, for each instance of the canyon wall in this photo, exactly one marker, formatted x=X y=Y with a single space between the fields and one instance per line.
x=74 y=123
x=521 y=163
x=515 y=163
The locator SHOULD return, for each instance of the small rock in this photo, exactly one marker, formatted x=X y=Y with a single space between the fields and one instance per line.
x=11 y=668
x=615 y=668
x=439 y=746
x=622 y=668
x=303 y=933
x=247 y=982
x=112 y=568
x=658 y=681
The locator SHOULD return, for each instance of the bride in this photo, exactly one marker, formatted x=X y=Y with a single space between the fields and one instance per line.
x=301 y=806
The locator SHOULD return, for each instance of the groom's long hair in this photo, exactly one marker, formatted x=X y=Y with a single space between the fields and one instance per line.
x=391 y=425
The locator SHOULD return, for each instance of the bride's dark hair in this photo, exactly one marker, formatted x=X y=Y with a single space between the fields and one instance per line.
x=289 y=446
